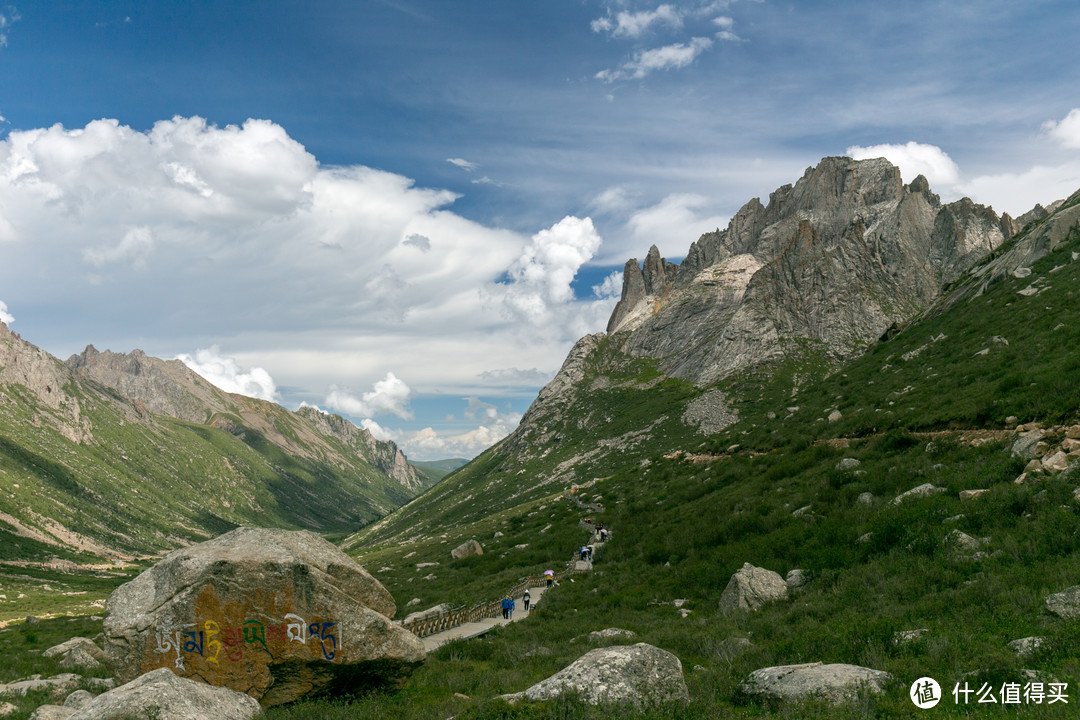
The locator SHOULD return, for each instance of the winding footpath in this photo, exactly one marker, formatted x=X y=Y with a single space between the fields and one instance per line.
x=473 y=629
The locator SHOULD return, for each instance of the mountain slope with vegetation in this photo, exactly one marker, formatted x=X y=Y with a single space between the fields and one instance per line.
x=794 y=463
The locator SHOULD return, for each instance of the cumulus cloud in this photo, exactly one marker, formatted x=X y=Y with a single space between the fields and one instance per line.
x=727 y=28
x=513 y=377
x=632 y=25
x=5 y=316
x=226 y=373
x=913 y=159
x=541 y=276
x=674 y=56
x=611 y=287
x=1066 y=132
x=389 y=396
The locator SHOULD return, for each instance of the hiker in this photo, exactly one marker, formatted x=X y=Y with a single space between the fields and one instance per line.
x=525 y=600
x=511 y=608
x=584 y=552
x=590 y=548
x=603 y=534
x=506 y=607
x=549 y=575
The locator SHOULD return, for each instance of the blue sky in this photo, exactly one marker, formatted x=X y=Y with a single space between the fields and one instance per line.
x=398 y=210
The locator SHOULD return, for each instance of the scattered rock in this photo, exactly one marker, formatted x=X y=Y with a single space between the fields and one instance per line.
x=1065 y=604
x=906 y=637
x=1058 y=462
x=62 y=684
x=7 y=708
x=971 y=494
x=52 y=712
x=1026 y=646
x=834 y=683
x=639 y=675
x=848 y=464
x=866 y=498
x=1024 y=445
x=924 y=490
x=78 y=698
x=963 y=543
x=498 y=534
x=461 y=696
x=836 y=416
x=1012 y=420
x=607 y=634
x=424 y=614
x=751 y=587
x=161 y=693
x=77 y=652
x=469 y=548
x=801 y=511
x=414 y=601
x=277 y=614
x=797 y=578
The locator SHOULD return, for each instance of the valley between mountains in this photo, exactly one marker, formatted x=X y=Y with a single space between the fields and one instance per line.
x=853 y=380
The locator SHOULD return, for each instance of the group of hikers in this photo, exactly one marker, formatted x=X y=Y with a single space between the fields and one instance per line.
x=586 y=552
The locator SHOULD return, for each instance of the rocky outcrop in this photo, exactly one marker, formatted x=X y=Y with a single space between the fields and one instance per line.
x=638 y=675
x=77 y=652
x=834 y=683
x=469 y=548
x=751 y=587
x=160 y=693
x=273 y=613
x=835 y=260
x=1065 y=604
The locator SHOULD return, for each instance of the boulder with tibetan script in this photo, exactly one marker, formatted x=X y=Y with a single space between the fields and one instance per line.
x=276 y=614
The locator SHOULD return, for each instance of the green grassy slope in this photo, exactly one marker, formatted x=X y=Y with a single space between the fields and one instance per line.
x=925 y=406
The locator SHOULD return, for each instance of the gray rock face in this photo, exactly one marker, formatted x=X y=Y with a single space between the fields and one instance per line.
x=751 y=587
x=639 y=675
x=837 y=258
x=274 y=613
x=1026 y=646
x=1065 y=604
x=921 y=491
x=469 y=548
x=52 y=712
x=163 y=692
x=834 y=683
x=63 y=683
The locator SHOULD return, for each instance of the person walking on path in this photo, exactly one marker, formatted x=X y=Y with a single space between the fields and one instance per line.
x=511 y=608
x=549 y=575
x=506 y=607
x=525 y=600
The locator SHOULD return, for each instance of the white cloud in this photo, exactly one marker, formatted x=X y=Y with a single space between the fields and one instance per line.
x=463 y=164
x=418 y=241
x=611 y=287
x=727 y=28
x=134 y=248
x=5 y=317
x=1018 y=192
x=1065 y=131
x=632 y=25
x=513 y=377
x=677 y=55
x=431 y=444
x=541 y=276
x=389 y=396
x=671 y=224
x=226 y=373
x=8 y=17
x=914 y=159
x=377 y=431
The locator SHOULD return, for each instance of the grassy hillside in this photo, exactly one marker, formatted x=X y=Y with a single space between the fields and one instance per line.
x=927 y=406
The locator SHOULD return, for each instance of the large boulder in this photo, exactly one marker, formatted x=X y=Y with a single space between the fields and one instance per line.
x=77 y=652
x=466 y=549
x=276 y=614
x=1065 y=604
x=638 y=675
x=834 y=683
x=751 y=587
x=161 y=693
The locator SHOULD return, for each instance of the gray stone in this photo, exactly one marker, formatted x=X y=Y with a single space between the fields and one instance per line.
x=610 y=634
x=274 y=613
x=1026 y=646
x=469 y=548
x=836 y=416
x=924 y=490
x=162 y=692
x=77 y=652
x=1065 y=604
x=961 y=542
x=971 y=494
x=424 y=614
x=906 y=637
x=52 y=712
x=640 y=675
x=834 y=683
x=848 y=464
x=751 y=587
x=78 y=698
x=1025 y=443
x=1058 y=462
x=63 y=683
x=7 y=708
x=797 y=578
x=866 y=498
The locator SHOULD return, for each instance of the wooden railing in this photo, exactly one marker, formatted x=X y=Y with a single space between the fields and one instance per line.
x=424 y=626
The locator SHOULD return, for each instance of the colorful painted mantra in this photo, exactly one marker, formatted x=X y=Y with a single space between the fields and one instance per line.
x=213 y=643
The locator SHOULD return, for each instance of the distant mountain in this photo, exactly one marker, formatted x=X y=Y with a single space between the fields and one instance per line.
x=115 y=455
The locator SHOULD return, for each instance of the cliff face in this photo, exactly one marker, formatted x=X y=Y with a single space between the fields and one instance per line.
x=833 y=260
